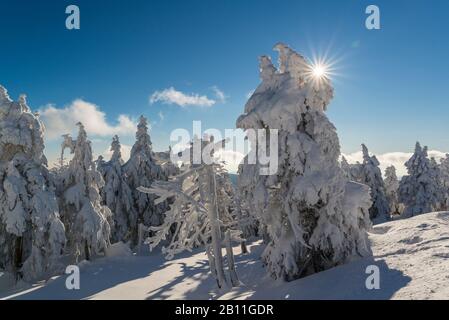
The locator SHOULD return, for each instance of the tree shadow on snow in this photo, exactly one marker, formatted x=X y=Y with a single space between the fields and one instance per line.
x=346 y=282
x=195 y=280
x=97 y=276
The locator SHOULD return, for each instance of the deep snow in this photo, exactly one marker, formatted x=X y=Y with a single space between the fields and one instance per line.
x=412 y=254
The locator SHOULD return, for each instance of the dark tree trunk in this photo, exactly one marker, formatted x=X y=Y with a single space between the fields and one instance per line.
x=86 y=250
x=18 y=252
x=243 y=247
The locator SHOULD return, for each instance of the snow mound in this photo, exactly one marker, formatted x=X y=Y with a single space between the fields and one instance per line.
x=118 y=249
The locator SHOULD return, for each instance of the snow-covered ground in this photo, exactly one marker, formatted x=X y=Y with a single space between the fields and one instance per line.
x=412 y=255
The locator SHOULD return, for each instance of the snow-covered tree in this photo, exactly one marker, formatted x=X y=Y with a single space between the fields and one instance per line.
x=352 y=171
x=346 y=167
x=391 y=188
x=201 y=214
x=444 y=169
x=315 y=218
x=32 y=235
x=164 y=160
x=116 y=194
x=87 y=221
x=436 y=174
x=418 y=191
x=142 y=170
x=248 y=223
x=371 y=175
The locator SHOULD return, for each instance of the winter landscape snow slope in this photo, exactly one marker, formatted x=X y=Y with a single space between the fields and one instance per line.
x=412 y=255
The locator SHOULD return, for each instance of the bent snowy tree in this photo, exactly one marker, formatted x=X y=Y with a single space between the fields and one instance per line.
x=314 y=217
x=31 y=232
x=200 y=215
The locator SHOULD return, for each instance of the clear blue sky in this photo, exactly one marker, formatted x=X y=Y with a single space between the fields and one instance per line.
x=392 y=90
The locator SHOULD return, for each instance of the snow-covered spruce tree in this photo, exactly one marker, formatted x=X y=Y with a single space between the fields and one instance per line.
x=116 y=194
x=252 y=224
x=87 y=221
x=440 y=192
x=315 y=218
x=371 y=175
x=418 y=191
x=444 y=169
x=32 y=235
x=142 y=170
x=346 y=167
x=391 y=187
x=201 y=214
x=247 y=221
x=352 y=171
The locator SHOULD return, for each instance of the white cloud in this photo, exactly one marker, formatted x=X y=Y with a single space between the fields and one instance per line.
x=173 y=96
x=396 y=159
x=125 y=150
x=161 y=115
x=59 y=121
x=219 y=94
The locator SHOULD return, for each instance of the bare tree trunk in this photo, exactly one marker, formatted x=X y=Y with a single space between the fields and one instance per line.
x=230 y=258
x=211 y=258
x=18 y=252
x=215 y=228
x=139 y=237
x=243 y=247
x=86 y=250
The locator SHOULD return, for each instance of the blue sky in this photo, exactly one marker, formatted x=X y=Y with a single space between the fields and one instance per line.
x=391 y=89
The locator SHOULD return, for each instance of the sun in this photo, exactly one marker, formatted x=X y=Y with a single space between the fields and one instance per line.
x=319 y=71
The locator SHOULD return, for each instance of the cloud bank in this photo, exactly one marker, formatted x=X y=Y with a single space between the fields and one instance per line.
x=59 y=121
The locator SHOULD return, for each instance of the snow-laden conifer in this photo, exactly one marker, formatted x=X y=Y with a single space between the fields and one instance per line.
x=142 y=170
x=88 y=222
x=117 y=195
x=418 y=191
x=371 y=175
x=315 y=218
x=32 y=235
